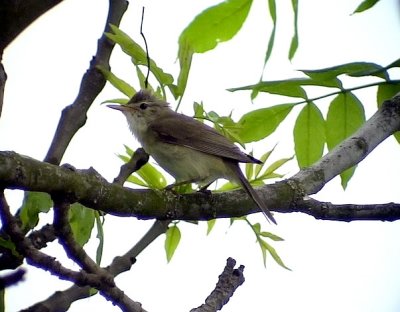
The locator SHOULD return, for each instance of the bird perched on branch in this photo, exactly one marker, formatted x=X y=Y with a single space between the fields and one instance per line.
x=189 y=150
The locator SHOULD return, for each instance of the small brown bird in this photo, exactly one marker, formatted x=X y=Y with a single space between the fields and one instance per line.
x=189 y=150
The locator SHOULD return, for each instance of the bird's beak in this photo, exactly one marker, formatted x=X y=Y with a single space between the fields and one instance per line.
x=119 y=107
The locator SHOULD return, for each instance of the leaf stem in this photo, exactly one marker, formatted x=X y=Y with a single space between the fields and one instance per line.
x=345 y=90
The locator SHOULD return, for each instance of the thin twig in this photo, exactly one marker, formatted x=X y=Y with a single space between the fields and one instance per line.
x=3 y=79
x=137 y=161
x=146 y=82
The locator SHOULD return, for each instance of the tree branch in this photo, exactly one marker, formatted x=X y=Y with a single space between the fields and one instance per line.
x=12 y=278
x=16 y=15
x=61 y=300
x=347 y=212
x=43 y=261
x=71 y=247
x=228 y=282
x=37 y=258
x=74 y=116
x=91 y=190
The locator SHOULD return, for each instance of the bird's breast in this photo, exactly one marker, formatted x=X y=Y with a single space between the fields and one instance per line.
x=186 y=164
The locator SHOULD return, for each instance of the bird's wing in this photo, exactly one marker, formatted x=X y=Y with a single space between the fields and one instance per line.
x=196 y=135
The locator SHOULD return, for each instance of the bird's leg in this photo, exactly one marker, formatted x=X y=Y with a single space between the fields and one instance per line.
x=204 y=190
x=174 y=185
x=179 y=187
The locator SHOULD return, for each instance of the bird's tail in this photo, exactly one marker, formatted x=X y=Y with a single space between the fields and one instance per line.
x=241 y=179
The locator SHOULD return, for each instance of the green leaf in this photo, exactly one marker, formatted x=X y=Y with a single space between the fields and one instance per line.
x=272 y=12
x=116 y=101
x=249 y=170
x=256 y=228
x=260 y=123
x=346 y=175
x=271 y=250
x=263 y=158
x=345 y=116
x=138 y=55
x=365 y=5
x=185 y=55
x=394 y=64
x=387 y=91
x=309 y=135
x=269 y=172
x=81 y=220
x=8 y=244
x=294 y=44
x=33 y=204
x=272 y=236
x=216 y=24
x=289 y=87
x=136 y=180
x=210 y=225
x=147 y=175
x=153 y=178
x=355 y=69
x=199 y=111
x=100 y=236
x=118 y=83
x=172 y=239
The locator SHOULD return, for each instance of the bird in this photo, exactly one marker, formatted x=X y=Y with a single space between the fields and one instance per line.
x=189 y=150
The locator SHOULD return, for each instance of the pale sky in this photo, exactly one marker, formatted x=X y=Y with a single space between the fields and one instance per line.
x=335 y=266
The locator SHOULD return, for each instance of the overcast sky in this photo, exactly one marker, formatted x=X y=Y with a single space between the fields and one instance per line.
x=335 y=266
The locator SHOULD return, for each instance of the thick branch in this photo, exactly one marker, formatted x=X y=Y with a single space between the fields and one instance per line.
x=91 y=190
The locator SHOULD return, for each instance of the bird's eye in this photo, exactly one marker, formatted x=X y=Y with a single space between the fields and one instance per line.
x=143 y=106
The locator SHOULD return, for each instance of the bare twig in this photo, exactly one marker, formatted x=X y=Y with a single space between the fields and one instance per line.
x=11 y=278
x=347 y=212
x=146 y=82
x=228 y=282
x=137 y=161
x=3 y=79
